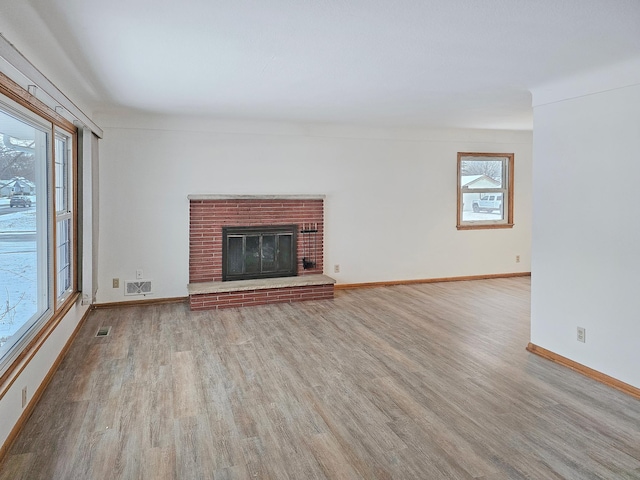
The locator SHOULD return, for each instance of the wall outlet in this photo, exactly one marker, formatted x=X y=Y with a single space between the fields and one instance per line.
x=24 y=397
x=336 y=268
x=139 y=274
x=116 y=283
x=517 y=258
x=582 y=335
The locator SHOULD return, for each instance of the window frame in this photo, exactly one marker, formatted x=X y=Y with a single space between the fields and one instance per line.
x=66 y=212
x=16 y=100
x=506 y=190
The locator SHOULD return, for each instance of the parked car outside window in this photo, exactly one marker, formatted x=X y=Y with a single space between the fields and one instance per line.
x=20 y=202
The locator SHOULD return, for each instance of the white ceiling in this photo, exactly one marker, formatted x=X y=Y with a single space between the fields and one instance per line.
x=425 y=63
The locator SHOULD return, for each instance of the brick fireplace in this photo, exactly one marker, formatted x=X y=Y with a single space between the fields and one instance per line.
x=209 y=214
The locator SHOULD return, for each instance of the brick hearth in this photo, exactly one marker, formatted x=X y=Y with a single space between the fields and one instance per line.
x=245 y=293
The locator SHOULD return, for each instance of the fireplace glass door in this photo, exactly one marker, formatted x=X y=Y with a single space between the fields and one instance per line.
x=258 y=252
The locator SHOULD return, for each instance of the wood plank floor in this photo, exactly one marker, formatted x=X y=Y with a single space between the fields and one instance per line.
x=419 y=382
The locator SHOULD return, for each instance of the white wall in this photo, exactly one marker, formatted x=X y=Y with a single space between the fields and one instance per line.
x=390 y=207
x=586 y=235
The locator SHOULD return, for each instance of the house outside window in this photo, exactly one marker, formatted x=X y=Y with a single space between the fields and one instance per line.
x=485 y=190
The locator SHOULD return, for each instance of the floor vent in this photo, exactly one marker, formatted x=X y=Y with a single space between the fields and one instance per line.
x=137 y=287
x=103 y=332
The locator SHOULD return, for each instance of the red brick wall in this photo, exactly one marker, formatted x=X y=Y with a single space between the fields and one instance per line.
x=214 y=301
x=207 y=217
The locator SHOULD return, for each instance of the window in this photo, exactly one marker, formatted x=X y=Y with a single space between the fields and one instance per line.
x=64 y=215
x=37 y=224
x=485 y=190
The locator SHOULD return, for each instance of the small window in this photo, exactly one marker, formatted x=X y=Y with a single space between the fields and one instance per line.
x=485 y=190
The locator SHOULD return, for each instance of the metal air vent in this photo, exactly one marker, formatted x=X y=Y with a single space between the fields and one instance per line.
x=137 y=287
x=103 y=332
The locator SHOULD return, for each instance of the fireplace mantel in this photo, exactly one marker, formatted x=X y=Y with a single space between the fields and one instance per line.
x=255 y=197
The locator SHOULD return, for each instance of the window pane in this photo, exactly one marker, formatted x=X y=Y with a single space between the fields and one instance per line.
x=484 y=173
x=64 y=256
x=482 y=207
x=24 y=293
x=62 y=180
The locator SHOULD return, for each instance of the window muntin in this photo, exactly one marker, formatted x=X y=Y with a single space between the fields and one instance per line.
x=37 y=235
x=485 y=190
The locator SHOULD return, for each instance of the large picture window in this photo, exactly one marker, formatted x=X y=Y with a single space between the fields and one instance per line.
x=485 y=190
x=37 y=225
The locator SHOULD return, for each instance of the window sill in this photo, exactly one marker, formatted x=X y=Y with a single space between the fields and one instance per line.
x=13 y=371
x=485 y=227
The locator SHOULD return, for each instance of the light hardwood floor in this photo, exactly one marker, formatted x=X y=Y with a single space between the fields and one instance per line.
x=420 y=382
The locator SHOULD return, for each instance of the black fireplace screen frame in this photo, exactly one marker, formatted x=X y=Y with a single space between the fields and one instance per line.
x=238 y=235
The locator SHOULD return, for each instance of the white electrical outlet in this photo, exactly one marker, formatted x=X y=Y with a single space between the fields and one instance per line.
x=582 y=335
x=139 y=274
x=336 y=268
x=116 y=283
x=24 y=397
x=517 y=258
